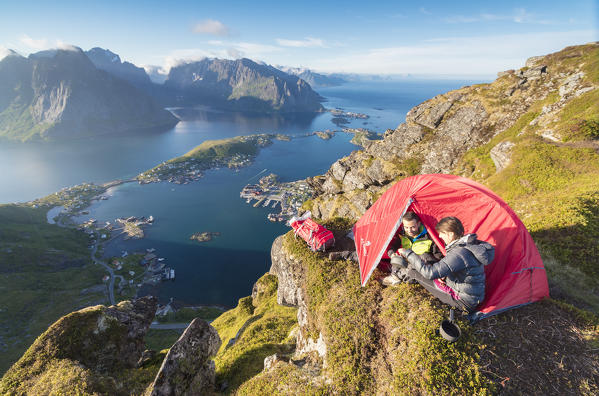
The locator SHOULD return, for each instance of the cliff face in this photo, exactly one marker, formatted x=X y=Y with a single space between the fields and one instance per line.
x=110 y=62
x=242 y=85
x=61 y=94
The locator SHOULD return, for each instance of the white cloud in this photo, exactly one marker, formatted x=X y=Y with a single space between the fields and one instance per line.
x=307 y=42
x=39 y=44
x=45 y=44
x=66 y=47
x=256 y=50
x=520 y=15
x=227 y=50
x=485 y=55
x=235 y=53
x=211 y=26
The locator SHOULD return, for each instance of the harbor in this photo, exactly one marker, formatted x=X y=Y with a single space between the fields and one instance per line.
x=270 y=193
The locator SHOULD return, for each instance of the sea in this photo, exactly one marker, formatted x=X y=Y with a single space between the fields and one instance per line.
x=220 y=271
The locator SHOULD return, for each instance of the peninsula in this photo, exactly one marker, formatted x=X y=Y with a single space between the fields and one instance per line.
x=232 y=153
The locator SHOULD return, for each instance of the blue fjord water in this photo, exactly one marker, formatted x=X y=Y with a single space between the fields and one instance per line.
x=220 y=271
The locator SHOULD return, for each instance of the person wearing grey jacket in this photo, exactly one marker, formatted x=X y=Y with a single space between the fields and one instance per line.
x=458 y=279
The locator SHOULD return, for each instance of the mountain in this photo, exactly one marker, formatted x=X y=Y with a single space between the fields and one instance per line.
x=61 y=94
x=241 y=85
x=532 y=136
x=110 y=62
x=316 y=80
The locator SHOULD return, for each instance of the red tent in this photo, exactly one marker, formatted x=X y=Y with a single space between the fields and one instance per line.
x=515 y=277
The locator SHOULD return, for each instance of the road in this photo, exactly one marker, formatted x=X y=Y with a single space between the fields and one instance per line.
x=110 y=271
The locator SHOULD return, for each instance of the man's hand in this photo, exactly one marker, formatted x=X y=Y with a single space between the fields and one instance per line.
x=403 y=251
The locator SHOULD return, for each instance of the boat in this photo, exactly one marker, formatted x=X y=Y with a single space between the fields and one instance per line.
x=161 y=259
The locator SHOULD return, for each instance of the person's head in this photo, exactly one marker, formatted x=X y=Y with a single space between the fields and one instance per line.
x=449 y=229
x=411 y=224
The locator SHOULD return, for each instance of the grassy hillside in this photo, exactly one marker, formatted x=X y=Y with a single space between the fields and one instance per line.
x=45 y=273
x=554 y=185
x=385 y=341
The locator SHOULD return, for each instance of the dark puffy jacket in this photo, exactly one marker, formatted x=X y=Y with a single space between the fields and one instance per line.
x=462 y=268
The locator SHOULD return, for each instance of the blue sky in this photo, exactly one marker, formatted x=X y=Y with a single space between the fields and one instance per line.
x=386 y=37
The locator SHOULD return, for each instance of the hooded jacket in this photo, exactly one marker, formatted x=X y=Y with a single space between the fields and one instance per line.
x=462 y=267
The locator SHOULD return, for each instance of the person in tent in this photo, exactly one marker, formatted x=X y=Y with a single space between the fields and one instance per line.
x=458 y=279
x=414 y=236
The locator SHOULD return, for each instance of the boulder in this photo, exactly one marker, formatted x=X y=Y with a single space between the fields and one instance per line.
x=272 y=360
x=331 y=186
x=534 y=73
x=570 y=84
x=338 y=170
x=533 y=60
x=501 y=155
x=433 y=116
x=288 y=271
x=356 y=179
x=187 y=368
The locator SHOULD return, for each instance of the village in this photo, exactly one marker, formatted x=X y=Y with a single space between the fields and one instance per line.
x=269 y=192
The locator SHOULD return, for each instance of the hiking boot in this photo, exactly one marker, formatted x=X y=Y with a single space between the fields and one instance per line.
x=391 y=280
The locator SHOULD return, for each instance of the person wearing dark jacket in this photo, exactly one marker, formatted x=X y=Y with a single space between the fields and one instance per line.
x=458 y=279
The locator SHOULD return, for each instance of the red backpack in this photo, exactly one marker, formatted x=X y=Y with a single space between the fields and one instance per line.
x=317 y=236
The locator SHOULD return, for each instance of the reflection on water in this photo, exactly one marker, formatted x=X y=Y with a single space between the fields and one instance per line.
x=281 y=123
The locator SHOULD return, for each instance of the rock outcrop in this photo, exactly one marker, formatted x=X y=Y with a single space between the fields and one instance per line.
x=437 y=133
x=110 y=62
x=86 y=349
x=187 y=368
x=241 y=85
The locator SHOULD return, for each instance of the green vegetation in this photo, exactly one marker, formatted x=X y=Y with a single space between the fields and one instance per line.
x=17 y=123
x=71 y=357
x=187 y=314
x=579 y=119
x=45 y=273
x=351 y=319
x=158 y=339
x=71 y=198
x=256 y=328
x=233 y=153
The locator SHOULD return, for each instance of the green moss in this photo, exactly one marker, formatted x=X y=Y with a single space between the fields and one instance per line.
x=157 y=339
x=350 y=318
x=283 y=379
x=421 y=361
x=579 y=119
x=257 y=331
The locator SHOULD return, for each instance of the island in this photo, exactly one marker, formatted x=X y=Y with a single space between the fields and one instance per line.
x=233 y=153
x=204 y=236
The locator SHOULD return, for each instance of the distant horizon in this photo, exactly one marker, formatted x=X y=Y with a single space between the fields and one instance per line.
x=384 y=38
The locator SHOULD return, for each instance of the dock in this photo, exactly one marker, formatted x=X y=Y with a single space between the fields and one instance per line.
x=260 y=200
